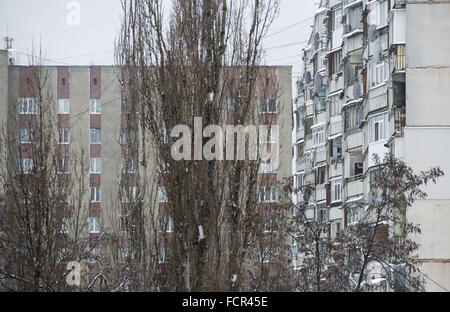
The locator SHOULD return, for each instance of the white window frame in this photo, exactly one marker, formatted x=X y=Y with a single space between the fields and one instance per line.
x=63 y=106
x=264 y=106
x=162 y=255
x=26 y=136
x=95 y=106
x=96 y=165
x=64 y=164
x=379 y=73
x=131 y=190
x=162 y=194
x=94 y=225
x=336 y=191
x=379 y=122
x=127 y=165
x=336 y=19
x=318 y=134
x=335 y=106
x=95 y=133
x=63 y=136
x=123 y=136
x=28 y=106
x=26 y=165
x=268 y=194
x=96 y=194
x=165 y=224
x=65 y=225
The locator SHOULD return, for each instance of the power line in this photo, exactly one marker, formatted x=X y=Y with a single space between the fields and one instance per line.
x=289 y=27
x=287 y=45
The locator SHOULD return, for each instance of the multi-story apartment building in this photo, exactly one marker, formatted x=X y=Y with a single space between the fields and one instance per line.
x=92 y=114
x=374 y=82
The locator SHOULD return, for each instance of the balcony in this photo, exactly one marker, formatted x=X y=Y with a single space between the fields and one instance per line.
x=354 y=187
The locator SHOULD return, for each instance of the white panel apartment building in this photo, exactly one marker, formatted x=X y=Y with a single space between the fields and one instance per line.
x=376 y=80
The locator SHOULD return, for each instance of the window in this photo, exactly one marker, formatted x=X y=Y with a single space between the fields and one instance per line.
x=336 y=19
x=231 y=103
x=353 y=116
x=299 y=180
x=63 y=106
x=355 y=17
x=335 y=106
x=267 y=106
x=127 y=165
x=381 y=13
x=318 y=135
x=379 y=73
x=94 y=255
x=95 y=81
x=165 y=224
x=322 y=213
x=378 y=128
x=269 y=224
x=26 y=135
x=334 y=62
x=128 y=193
x=320 y=175
x=64 y=225
x=123 y=255
x=162 y=255
x=336 y=148
x=63 y=136
x=96 y=107
x=300 y=150
x=27 y=106
x=162 y=195
x=164 y=137
x=26 y=165
x=63 y=165
x=96 y=165
x=124 y=224
x=94 y=225
x=308 y=126
x=96 y=136
x=268 y=194
x=336 y=191
x=95 y=194
x=123 y=136
x=124 y=106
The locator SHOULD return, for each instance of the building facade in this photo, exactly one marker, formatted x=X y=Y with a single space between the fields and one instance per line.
x=92 y=115
x=370 y=84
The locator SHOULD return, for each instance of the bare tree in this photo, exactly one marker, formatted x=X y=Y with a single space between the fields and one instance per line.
x=203 y=62
x=375 y=251
x=42 y=213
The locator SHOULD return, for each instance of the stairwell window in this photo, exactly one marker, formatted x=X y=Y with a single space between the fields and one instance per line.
x=335 y=106
x=63 y=106
x=336 y=19
x=63 y=165
x=63 y=136
x=95 y=194
x=334 y=61
x=96 y=106
x=26 y=165
x=96 y=165
x=96 y=136
x=94 y=225
x=162 y=195
x=165 y=224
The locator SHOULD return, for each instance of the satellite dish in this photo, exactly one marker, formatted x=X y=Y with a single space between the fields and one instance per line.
x=378 y=52
x=356 y=90
x=316 y=41
x=318 y=83
x=372 y=33
x=307 y=77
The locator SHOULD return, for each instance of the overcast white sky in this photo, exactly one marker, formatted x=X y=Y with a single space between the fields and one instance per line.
x=91 y=42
